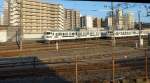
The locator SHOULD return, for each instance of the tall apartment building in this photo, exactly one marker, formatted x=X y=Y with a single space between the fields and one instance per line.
x=129 y=20
x=86 y=22
x=1 y=20
x=119 y=19
x=6 y=13
x=36 y=16
x=72 y=19
x=109 y=23
x=96 y=22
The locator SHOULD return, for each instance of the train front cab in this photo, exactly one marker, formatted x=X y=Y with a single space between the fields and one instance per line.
x=48 y=36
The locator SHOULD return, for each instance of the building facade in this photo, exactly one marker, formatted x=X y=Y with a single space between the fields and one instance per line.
x=129 y=21
x=72 y=19
x=96 y=22
x=109 y=23
x=1 y=20
x=86 y=22
x=6 y=13
x=121 y=21
x=35 y=16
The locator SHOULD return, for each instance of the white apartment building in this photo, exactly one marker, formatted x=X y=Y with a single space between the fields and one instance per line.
x=86 y=22
x=35 y=16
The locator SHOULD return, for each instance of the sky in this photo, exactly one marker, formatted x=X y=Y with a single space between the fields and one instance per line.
x=96 y=8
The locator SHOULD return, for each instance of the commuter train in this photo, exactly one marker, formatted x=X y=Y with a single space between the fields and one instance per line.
x=68 y=35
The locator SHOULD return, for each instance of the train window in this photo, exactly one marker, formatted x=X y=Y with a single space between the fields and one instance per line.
x=47 y=32
x=63 y=34
x=73 y=33
x=79 y=33
x=60 y=33
x=66 y=33
x=116 y=33
x=86 y=33
x=56 y=34
x=76 y=33
x=83 y=33
x=69 y=33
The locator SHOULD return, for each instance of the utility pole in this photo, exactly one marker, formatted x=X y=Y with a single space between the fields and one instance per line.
x=127 y=19
x=18 y=27
x=146 y=67
x=21 y=27
x=76 y=60
x=140 y=37
x=146 y=57
x=113 y=43
x=113 y=28
x=113 y=68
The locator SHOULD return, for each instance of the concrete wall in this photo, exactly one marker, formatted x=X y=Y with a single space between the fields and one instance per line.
x=3 y=35
x=33 y=36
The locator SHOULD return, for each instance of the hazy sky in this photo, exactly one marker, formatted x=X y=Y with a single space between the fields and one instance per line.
x=87 y=7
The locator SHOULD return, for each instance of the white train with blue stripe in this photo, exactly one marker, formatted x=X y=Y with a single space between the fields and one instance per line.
x=68 y=35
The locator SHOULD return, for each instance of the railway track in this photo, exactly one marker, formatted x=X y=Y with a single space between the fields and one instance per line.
x=40 y=45
x=40 y=48
x=29 y=45
x=10 y=53
x=34 y=69
x=86 y=69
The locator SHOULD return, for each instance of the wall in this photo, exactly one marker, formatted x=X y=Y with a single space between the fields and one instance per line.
x=33 y=36
x=3 y=35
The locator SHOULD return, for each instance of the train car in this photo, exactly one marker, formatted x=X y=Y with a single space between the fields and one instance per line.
x=104 y=34
x=68 y=35
x=145 y=32
x=60 y=35
x=126 y=33
x=123 y=33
